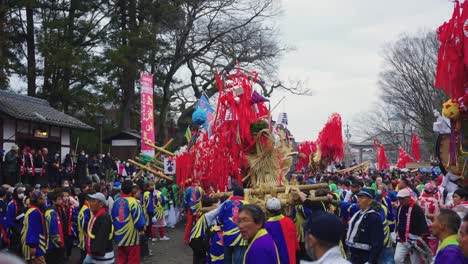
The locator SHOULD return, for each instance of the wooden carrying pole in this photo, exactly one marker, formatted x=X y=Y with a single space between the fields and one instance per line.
x=160 y=149
x=156 y=173
x=270 y=190
x=155 y=159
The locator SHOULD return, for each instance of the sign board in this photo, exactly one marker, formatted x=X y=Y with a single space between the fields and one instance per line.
x=169 y=166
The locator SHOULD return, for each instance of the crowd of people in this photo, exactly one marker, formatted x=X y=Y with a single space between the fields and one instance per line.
x=38 y=166
x=382 y=217
x=90 y=205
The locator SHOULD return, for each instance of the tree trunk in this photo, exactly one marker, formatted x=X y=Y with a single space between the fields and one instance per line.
x=31 y=50
x=129 y=69
x=3 y=46
x=67 y=71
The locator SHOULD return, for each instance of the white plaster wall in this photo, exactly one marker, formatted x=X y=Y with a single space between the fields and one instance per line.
x=63 y=152
x=65 y=140
x=55 y=131
x=124 y=142
x=8 y=129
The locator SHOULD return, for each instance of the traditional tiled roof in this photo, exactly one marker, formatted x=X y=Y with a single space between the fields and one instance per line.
x=36 y=110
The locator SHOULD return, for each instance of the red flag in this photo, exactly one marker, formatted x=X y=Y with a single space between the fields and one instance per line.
x=382 y=159
x=403 y=158
x=415 y=148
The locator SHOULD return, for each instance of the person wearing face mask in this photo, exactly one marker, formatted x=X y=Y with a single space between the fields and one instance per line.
x=14 y=220
x=323 y=233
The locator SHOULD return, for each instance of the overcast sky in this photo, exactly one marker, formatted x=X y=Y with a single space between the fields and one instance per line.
x=338 y=46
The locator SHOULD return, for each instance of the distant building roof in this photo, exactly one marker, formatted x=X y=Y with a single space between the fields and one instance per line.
x=126 y=134
x=38 y=110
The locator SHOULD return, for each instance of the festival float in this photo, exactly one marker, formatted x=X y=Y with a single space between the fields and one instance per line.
x=452 y=78
x=239 y=144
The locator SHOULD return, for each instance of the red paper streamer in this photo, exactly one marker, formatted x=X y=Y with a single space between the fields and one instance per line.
x=382 y=159
x=403 y=158
x=415 y=148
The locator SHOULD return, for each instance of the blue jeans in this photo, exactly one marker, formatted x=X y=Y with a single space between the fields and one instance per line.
x=387 y=256
x=234 y=255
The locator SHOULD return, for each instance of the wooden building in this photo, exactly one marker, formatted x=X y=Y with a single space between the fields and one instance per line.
x=30 y=121
x=125 y=144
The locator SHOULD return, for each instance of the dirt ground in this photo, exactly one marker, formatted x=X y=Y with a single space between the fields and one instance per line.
x=171 y=251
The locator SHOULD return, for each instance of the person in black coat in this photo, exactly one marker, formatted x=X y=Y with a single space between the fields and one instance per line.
x=365 y=234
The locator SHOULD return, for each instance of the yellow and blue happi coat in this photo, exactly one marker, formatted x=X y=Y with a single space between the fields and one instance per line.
x=83 y=220
x=54 y=239
x=148 y=206
x=216 y=252
x=128 y=219
x=33 y=233
x=227 y=216
x=299 y=215
x=159 y=201
x=193 y=199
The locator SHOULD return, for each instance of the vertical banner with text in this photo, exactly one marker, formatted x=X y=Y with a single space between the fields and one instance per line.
x=147 y=113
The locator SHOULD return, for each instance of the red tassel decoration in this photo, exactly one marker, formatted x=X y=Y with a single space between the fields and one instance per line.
x=382 y=160
x=330 y=139
x=415 y=148
x=403 y=158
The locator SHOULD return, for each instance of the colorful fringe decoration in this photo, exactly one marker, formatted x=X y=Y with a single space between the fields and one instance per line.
x=451 y=73
x=403 y=158
x=305 y=150
x=330 y=139
x=415 y=148
x=382 y=159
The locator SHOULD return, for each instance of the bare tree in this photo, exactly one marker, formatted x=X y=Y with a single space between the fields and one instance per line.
x=407 y=81
x=217 y=35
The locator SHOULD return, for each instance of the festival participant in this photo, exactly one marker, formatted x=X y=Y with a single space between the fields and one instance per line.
x=261 y=247
x=148 y=206
x=365 y=235
x=323 y=235
x=14 y=220
x=83 y=220
x=346 y=187
x=11 y=165
x=159 y=201
x=192 y=200
x=39 y=167
x=3 y=208
x=70 y=225
x=429 y=202
x=355 y=188
x=410 y=225
x=33 y=234
x=234 y=246
x=299 y=214
x=445 y=228
x=27 y=166
x=129 y=221
x=405 y=183
x=283 y=231
x=55 y=239
x=463 y=238
x=100 y=231
x=460 y=203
